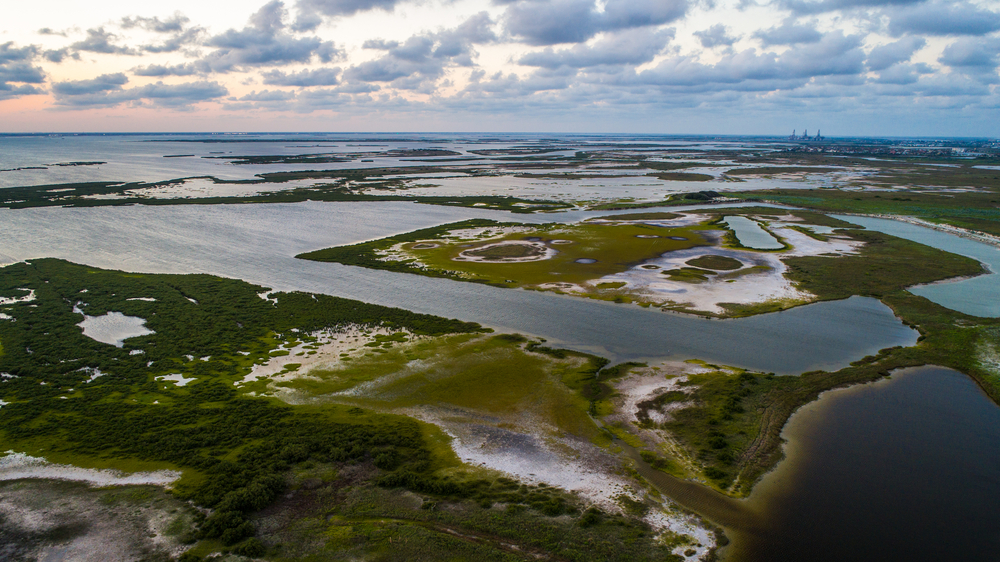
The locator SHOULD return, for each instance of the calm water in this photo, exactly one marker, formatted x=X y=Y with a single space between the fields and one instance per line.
x=751 y=234
x=902 y=469
x=257 y=243
x=979 y=296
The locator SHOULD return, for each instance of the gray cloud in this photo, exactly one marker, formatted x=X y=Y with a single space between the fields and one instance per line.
x=100 y=41
x=173 y=24
x=106 y=91
x=943 y=18
x=310 y=12
x=884 y=56
x=631 y=47
x=422 y=59
x=103 y=83
x=551 y=22
x=788 y=33
x=821 y=6
x=16 y=67
x=166 y=70
x=50 y=31
x=264 y=42
x=305 y=78
x=715 y=36
x=972 y=54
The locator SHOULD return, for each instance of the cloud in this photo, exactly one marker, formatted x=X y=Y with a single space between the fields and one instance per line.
x=822 y=6
x=972 y=54
x=884 y=56
x=173 y=24
x=264 y=42
x=631 y=47
x=16 y=67
x=715 y=36
x=103 y=83
x=304 y=78
x=789 y=33
x=310 y=11
x=100 y=41
x=834 y=55
x=50 y=31
x=168 y=70
x=422 y=59
x=106 y=91
x=551 y=22
x=943 y=18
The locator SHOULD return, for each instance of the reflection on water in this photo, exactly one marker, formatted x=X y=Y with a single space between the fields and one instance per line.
x=902 y=469
x=258 y=243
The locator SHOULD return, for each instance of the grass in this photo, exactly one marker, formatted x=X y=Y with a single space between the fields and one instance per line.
x=715 y=262
x=615 y=248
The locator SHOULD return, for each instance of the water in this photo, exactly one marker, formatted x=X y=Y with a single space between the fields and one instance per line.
x=258 y=243
x=751 y=234
x=977 y=296
x=901 y=469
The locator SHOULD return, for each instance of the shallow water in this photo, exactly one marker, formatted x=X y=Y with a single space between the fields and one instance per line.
x=258 y=243
x=978 y=296
x=751 y=234
x=902 y=469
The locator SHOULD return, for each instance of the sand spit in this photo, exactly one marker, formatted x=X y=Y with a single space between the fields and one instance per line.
x=16 y=466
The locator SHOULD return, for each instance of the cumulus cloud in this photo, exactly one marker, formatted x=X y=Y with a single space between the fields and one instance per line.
x=551 y=22
x=264 y=42
x=788 y=33
x=107 y=91
x=884 y=56
x=632 y=47
x=100 y=41
x=715 y=36
x=422 y=59
x=943 y=18
x=821 y=6
x=166 y=70
x=973 y=54
x=18 y=75
x=304 y=78
x=173 y=24
x=310 y=12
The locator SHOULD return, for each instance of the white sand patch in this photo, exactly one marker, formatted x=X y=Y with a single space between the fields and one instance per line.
x=95 y=373
x=266 y=295
x=2 y=403
x=701 y=539
x=486 y=233
x=176 y=378
x=544 y=252
x=16 y=466
x=144 y=299
x=736 y=286
x=15 y=300
x=329 y=347
x=5 y=316
x=564 y=287
x=112 y=328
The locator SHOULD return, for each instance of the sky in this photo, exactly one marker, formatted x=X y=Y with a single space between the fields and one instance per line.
x=847 y=67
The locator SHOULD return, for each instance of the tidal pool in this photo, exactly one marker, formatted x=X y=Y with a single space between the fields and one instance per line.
x=751 y=234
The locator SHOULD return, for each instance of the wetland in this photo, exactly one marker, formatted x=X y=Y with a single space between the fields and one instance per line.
x=744 y=379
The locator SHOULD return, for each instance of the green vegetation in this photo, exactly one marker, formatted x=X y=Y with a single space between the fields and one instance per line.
x=585 y=252
x=351 y=469
x=975 y=210
x=715 y=262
